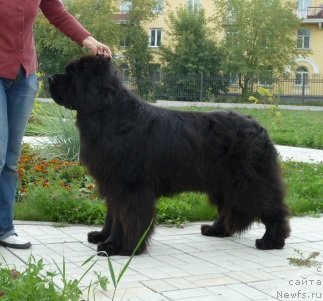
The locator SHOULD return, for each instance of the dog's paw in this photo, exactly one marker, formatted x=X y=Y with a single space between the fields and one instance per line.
x=107 y=249
x=265 y=244
x=208 y=230
x=95 y=237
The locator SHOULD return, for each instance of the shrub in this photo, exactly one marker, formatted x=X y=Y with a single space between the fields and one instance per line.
x=57 y=125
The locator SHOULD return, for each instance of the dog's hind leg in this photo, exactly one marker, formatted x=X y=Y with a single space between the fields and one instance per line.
x=235 y=213
x=273 y=211
x=277 y=230
x=100 y=236
x=228 y=224
x=262 y=198
x=217 y=228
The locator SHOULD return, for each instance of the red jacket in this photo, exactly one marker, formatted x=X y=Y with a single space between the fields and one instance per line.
x=17 y=45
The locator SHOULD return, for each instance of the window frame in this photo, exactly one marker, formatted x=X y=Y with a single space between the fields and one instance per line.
x=230 y=34
x=301 y=39
x=302 y=76
x=125 y=6
x=157 y=42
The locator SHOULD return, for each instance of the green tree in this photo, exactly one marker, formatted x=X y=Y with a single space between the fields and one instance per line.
x=191 y=51
x=137 y=54
x=259 y=37
x=55 y=50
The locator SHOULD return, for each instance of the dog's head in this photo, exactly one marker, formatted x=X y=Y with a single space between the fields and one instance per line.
x=88 y=84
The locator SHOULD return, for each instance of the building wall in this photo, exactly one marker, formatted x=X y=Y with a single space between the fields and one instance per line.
x=311 y=14
x=313 y=60
x=171 y=6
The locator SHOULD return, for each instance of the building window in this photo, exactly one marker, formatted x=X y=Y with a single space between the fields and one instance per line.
x=124 y=41
x=125 y=75
x=159 y=7
x=302 y=76
x=194 y=4
x=231 y=37
x=232 y=16
x=303 y=39
x=233 y=79
x=155 y=37
x=125 y=5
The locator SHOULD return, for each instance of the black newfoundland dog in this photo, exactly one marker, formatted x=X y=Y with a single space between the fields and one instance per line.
x=138 y=152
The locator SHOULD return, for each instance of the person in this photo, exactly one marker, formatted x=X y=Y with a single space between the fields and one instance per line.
x=18 y=88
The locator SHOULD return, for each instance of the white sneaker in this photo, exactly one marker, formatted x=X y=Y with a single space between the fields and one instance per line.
x=13 y=241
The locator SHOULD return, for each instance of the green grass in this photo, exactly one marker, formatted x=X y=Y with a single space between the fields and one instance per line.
x=35 y=283
x=305 y=187
x=59 y=206
x=184 y=207
x=293 y=128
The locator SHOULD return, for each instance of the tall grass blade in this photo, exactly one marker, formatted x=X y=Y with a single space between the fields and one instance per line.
x=89 y=268
x=112 y=274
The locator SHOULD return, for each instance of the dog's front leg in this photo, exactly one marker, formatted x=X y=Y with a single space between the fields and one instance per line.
x=96 y=237
x=113 y=244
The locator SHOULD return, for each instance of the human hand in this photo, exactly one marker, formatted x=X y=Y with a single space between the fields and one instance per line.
x=97 y=47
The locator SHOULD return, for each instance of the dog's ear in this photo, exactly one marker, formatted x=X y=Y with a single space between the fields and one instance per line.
x=109 y=79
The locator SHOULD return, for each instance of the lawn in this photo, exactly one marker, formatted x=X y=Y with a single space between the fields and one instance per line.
x=286 y=127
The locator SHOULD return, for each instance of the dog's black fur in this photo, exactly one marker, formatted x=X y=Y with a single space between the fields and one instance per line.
x=138 y=152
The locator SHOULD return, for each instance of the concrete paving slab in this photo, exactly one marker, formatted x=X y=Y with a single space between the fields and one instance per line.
x=232 y=270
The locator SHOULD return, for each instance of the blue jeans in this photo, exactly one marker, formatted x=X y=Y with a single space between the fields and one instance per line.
x=16 y=103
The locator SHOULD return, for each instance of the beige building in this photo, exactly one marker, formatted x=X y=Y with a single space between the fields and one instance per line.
x=157 y=29
x=309 y=37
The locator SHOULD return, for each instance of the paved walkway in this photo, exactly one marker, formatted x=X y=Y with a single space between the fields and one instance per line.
x=168 y=103
x=299 y=154
x=183 y=265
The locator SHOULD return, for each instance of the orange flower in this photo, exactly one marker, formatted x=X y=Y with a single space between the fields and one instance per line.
x=46 y=183
x=91 y=186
